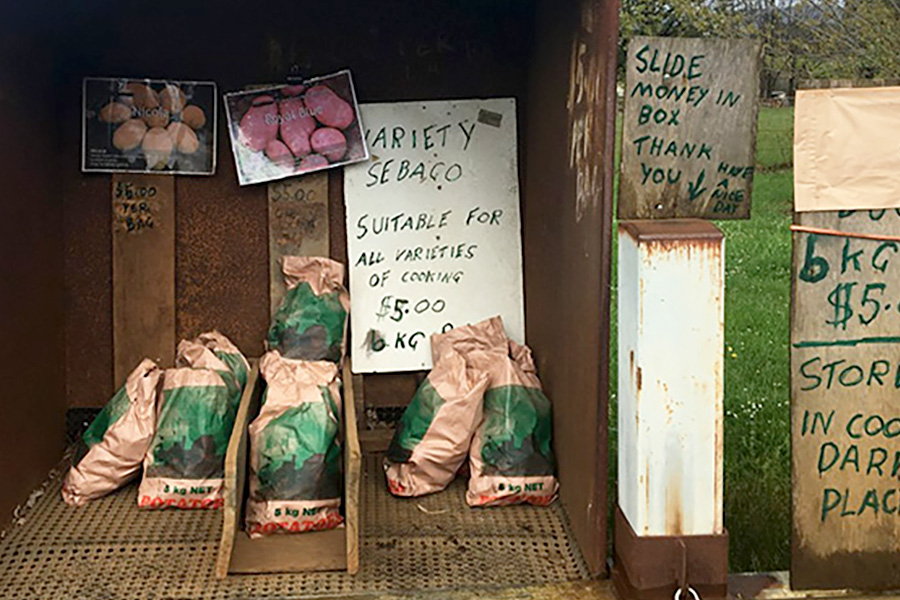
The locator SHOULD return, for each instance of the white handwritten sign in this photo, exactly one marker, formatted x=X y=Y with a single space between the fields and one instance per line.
x=433 y=229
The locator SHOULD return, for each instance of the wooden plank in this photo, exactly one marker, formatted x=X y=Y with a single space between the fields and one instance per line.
x=845 y=371
x=143 y=270
x=359 y=399
x=689 y=134
x=352 y=472
x=310 y=551
x=298 y=225
x=336 y=549
x=236 y=470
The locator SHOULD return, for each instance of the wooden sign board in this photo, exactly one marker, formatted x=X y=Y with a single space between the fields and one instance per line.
x=845 y=400
x=143 y=269
x=689 y=132
x=433 y=230
x=298 y=225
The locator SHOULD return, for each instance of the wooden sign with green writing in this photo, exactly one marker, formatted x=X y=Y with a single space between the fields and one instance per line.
x=845 y=400
x=689 y=132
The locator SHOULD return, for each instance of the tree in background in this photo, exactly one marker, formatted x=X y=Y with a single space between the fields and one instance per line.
x=801 y=39
x=853 y=39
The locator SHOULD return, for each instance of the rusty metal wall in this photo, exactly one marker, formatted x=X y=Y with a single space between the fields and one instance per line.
x=556 y=58
x=567 y=208
x=397 y=50
x=32 y=400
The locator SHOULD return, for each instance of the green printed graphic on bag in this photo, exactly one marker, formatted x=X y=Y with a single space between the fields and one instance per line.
x=307 y=326
x=299 y=456
x=193 y=431
x=237 y=364
x=415 y=422
x=517 y=432
x=112 y=412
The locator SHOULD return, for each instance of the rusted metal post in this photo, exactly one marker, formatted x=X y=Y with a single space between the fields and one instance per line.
x=668 y=529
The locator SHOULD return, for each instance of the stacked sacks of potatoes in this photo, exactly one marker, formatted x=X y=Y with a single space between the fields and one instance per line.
x=154 y=123
x=127 y=430
x=482 y=399
x=295 y=454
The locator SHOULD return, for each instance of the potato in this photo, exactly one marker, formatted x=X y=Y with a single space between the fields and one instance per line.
x=115 y=112
x=157 y=147
x=172 y=98
x=278 y=153
x=193 y=116
x=183 y=137
x=295 y=126
x=328 y=108
x=329 y=142
x=129 y=135
x=143 y=95
x=313 y=161
x=156 y=117
x=259 y=125
x=293 y=90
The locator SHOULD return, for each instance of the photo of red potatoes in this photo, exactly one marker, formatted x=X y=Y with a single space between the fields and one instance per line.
x=143 y=125
x=294 y=129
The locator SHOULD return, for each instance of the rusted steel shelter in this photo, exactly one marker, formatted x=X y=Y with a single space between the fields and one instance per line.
x=557 y=59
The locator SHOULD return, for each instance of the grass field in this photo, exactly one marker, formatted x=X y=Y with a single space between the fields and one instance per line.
x=757 y=417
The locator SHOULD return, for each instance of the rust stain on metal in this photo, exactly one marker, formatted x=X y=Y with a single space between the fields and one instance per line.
x=674 y=516
x=639 y=378
x=682 y=230
x=647 y=486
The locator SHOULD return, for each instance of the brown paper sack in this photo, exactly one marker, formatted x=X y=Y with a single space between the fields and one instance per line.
x=295 y=455
x=227 y=352
x=117 y=439
x=434 y=434
x=311 y=322
x=185 y=464
x=511 y=459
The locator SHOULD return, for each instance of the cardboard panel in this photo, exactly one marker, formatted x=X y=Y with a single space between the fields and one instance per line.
x=143 y=251
x=567 y=216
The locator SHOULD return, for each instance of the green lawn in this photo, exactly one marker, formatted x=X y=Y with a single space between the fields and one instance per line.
x=757 y=416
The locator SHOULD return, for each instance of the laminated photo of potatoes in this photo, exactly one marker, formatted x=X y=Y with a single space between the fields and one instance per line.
x=294 y=129
x=148 y=126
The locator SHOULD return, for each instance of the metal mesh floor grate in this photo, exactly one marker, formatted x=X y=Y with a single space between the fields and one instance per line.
x=110 y=550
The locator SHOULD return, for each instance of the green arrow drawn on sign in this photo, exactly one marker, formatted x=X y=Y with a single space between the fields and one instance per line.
x=694 y=189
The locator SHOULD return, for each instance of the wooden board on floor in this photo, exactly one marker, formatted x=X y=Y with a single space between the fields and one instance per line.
x=333 y=550
x=352 y=472
x=298 y=225
x=143 y=268
x=236 y=470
